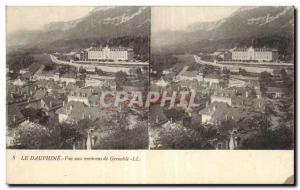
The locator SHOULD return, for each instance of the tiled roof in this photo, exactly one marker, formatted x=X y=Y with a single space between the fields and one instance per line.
x=77 y=111
x=190 y=73
x=272 y=89
x=221 y=111
x=52 y=102
x=84 y=92
x=39 y=94
x=110 y=48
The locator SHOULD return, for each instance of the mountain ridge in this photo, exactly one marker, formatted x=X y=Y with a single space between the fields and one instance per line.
x=246 y=22
x=101 y=22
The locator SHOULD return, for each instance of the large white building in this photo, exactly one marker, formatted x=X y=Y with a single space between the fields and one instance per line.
x=106 y=53
x=254 y=54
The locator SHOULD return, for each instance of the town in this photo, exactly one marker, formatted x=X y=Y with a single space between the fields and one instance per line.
x=246 y=100
x=52 y=104
x=99 y=97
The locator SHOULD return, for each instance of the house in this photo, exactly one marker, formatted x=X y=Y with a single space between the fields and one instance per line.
x=48 y=85
x=190 y=75
x=50 y=104
x=106 y=53
x=39 y=94
x=16 y=98
x=236 y=83
x=275 y=92
x=220 y=111
x=80 y=95
x=254 y=54
x=212 y=79
x=46 y=75
x=223 y=95
x=93 y=82
x=224 y=99
x=23 y=71
x=73 y=112
x=244 y=102
x=161 y=83
x=67 y=78
x=66 y=110
x=19 y=82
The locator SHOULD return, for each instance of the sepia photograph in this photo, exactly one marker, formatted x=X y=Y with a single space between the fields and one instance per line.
x=150 y=94
x=238 y=62
x=236 y=67
x=58 y=68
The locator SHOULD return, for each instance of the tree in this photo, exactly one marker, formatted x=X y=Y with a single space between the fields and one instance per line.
x=179 y=137
x=264 y=80
x=279 y=139
x=121 y=77
x=37 y=137
x=82 y=70
x=19 y=60
x=226 y=73
x=287 y=83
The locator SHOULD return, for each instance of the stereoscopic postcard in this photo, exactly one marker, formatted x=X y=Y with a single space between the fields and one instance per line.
x=150 y=95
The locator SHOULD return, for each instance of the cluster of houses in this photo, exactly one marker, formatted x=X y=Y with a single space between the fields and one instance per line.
x=230 y=99
x=62 y=98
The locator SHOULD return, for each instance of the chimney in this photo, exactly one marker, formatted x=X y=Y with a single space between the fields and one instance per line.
x=50 y=104
x=247 y=94
x=214 y=108
x=14 y=118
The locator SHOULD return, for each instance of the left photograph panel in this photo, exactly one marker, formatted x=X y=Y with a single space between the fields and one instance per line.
x=74 y=76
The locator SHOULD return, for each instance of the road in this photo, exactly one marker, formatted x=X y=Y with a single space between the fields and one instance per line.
x=252 y=69
x=112 y=69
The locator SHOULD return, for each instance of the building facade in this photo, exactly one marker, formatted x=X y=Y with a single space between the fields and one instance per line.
x=106 y=53
x=253 y=54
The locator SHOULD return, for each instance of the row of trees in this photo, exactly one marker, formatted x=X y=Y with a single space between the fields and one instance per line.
x=19 y=60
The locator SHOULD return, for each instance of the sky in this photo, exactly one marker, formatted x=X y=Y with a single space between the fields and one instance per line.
x=163 y=18
x=178 y=18
x=32 y=18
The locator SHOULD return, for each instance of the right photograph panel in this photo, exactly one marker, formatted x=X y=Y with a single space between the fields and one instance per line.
x=222 y=78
